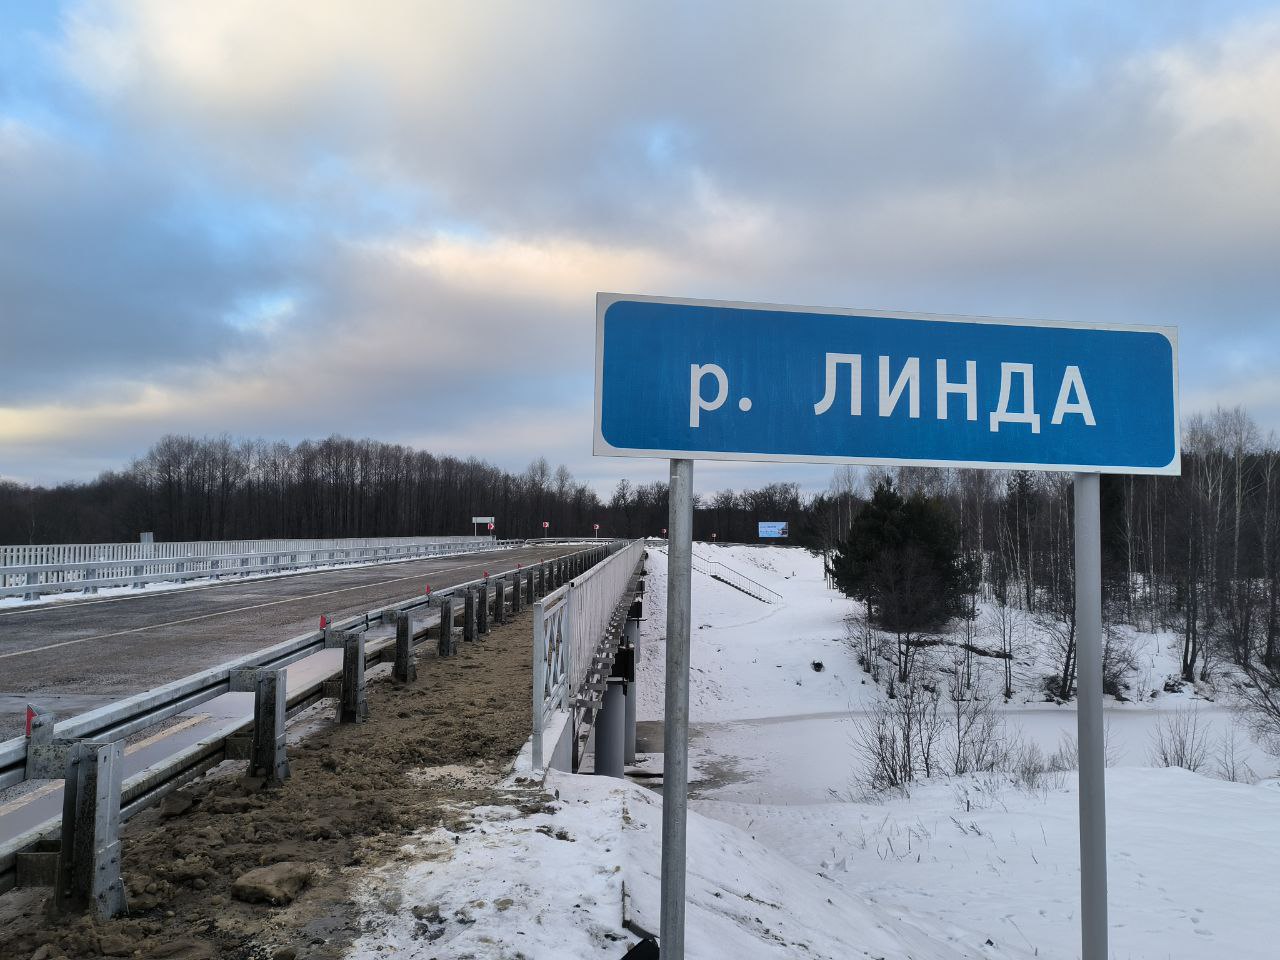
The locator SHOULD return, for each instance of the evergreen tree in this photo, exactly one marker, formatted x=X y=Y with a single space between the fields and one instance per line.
x=902 y=558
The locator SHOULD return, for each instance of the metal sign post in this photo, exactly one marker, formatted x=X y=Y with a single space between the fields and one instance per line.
x=713 y=380
x=1089 y=725
x=675 y=727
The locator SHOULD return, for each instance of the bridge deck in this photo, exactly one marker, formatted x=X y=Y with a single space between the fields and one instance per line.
x=71 y=656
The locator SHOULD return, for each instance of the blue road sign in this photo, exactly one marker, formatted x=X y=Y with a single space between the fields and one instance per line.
x=772 y=528
x=711 y=380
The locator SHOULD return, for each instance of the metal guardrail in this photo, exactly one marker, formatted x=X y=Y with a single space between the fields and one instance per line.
x=568 y=626
x=116 y=721
x=30 y=571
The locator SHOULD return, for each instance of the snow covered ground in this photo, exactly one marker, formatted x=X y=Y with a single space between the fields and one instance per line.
x=1192 y=861
x=787 y=860
x=767 y=728
x=1192 y=858
x=546 y=880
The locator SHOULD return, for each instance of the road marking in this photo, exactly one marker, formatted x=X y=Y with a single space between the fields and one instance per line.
x=191 y=720
x=224 y=613
x=26 y=798
x=131 y=749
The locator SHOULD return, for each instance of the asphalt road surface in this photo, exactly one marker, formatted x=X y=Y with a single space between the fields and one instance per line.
x=75 y=655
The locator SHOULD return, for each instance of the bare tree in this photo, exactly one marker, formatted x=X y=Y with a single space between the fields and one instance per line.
x=1260 y=705
x=1006 y=623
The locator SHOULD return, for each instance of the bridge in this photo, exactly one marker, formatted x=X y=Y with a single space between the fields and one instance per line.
x=135 y=694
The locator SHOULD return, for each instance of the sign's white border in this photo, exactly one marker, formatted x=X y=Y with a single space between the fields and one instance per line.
x=601 y=447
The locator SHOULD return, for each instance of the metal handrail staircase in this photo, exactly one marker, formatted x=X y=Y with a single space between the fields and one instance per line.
x=734 y=578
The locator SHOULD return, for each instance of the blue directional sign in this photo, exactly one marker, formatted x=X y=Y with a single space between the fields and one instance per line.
x=772 y=528
x=698 y=379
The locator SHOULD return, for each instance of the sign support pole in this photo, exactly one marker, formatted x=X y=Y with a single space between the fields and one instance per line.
x=675 y=728
x=1089 y=724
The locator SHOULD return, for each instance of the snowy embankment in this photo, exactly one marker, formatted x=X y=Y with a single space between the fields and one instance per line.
x=783 y=860
x=1191 y=871
x=548 y=882
x=1192 y=858
x=767 y=728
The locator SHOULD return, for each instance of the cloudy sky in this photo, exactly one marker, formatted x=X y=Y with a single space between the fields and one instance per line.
x=390 y=219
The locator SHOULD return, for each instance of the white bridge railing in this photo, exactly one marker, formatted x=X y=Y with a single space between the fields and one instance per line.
x=30 y=571
x=568 y=626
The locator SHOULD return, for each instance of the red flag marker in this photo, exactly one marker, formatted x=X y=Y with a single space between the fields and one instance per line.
x=324 y=621
x=31 y=715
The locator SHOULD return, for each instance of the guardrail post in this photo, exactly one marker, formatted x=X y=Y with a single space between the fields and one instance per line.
x=517 y=589
x=45 y=759
x=353 y=707
x=469 y=616
x=90 y=573
x=528 y=586
x=482 y=608
x=267 y=756
x=332 y=635
x=445 y=646
x=32 y=580
x=405 y=668
x=499 y=600
x=89 y=859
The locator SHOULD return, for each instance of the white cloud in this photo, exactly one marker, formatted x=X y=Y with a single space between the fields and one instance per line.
x=453 y=183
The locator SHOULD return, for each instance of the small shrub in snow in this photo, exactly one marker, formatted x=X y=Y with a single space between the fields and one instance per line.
x=1230 y=763
x=1067 y=755
x=1180 y=740
x=1119 y=662
x=898 y=742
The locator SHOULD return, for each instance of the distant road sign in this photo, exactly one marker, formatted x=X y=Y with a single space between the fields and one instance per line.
x=491 y=526
x=545 y=524
x=773 y=529
x=702 y=379
x=595 y=526
x=482 y=519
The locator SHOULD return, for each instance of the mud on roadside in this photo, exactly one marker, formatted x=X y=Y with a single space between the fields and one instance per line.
x=356 y=794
